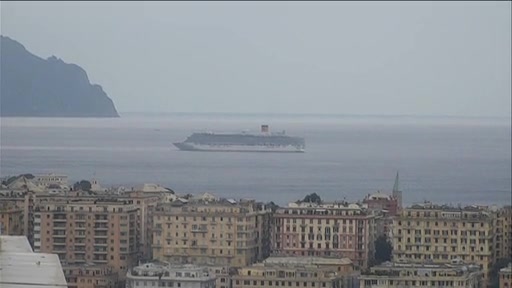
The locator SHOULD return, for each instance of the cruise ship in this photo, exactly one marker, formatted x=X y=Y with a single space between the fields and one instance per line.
x=243 y=142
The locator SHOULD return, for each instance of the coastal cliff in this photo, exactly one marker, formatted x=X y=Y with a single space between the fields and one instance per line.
x=34 y=87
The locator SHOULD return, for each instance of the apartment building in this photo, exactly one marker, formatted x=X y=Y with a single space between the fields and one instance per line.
x=84 y=230
x=146 y=203
x=441 y=233
x=407 y=274
x=24 y=201
x=503 y=233
x=90 y=276
x=11 y=218
x=505 y=277
x=297 y=272
x=383 y=202
x=209 y=231
x=327 y=229
x=222 y=275
x=44 y=181
x=164 y=275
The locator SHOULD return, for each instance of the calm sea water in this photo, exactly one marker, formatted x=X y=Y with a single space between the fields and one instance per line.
x=445 y=160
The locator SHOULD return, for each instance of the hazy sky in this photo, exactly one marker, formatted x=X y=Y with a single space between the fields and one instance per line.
x=440 y=58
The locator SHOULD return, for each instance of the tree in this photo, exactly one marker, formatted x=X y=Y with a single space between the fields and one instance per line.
x=273 y=206
x=383 y=249
x=312 y=198
x=83 y=185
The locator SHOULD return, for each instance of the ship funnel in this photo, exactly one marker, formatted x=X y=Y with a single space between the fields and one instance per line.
x=264 y=128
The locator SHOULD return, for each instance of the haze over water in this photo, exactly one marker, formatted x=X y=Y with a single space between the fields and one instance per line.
x=444 y=160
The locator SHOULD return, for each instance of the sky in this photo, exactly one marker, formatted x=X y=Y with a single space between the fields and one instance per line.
x=364 y=58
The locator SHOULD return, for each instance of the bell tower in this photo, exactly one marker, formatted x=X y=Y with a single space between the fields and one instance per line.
x=397 y=194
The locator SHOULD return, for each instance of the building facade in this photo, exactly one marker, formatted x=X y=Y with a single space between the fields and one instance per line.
x=11 y=218
x=210 y=231
x=99 y=231
x=442 y=233
x=24 y=201
x=328 y=229
x=505 y=277
x=90 y=276
x=44 y=181
x=406 y=274
x=151 y=275
x=503 y=233
x=146 y=204
x=296 y=272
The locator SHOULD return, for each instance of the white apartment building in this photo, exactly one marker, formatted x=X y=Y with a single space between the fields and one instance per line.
x=166 y=275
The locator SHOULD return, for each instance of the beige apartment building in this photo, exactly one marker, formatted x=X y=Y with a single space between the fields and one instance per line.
x=24 y=201
x=211 y=231
x=408 y=274
x=503 y=233
x=11 y=218
x=296 y=272
x=441 y=233
x=146 y=204
x=90 y=276
x=505 y=277
x=327 y=229
x=82 y=230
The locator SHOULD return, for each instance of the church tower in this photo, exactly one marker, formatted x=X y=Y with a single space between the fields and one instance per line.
x=397 y=194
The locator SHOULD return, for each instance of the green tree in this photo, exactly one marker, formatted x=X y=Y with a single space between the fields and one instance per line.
x=273 y=206
x=383 y=249
x=312 y=198
x=83 y=185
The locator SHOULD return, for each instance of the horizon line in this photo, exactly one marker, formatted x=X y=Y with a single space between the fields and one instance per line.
x=315 y=114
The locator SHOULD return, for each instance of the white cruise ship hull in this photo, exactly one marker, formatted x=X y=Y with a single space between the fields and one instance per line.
x=187 y=146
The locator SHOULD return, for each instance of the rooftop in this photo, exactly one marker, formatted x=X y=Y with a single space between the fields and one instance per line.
x=170 y=271
x=307 y=261
x=449 y=207
x=17 y=261
x=326 y=205
x=456 y=267
x=507 y=269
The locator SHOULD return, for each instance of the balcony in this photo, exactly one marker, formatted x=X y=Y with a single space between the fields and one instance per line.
x=100 y=260
x=59 y=249
x=59 y=235
x=199 y=230
x=101 y=220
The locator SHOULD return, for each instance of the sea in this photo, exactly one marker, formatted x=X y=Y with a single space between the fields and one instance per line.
x=440 y=159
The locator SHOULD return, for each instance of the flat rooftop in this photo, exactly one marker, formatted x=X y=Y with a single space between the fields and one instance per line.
x=307 y=260
x=22 y=268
